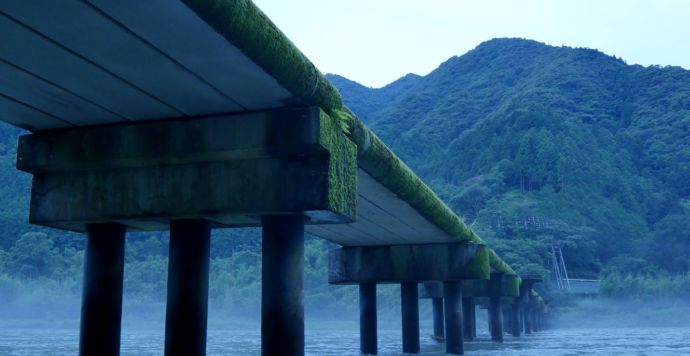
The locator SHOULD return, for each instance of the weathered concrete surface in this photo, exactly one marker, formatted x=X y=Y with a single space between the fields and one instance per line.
x=230 y=171
x=276 y=133
x=412 y=263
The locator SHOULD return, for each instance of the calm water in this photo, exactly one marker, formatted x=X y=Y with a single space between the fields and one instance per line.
x=336 y=341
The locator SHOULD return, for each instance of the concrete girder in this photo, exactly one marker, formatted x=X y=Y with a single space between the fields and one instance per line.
x=407 y=263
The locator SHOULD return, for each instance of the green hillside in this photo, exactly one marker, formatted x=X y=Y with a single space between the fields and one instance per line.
x=533 y=143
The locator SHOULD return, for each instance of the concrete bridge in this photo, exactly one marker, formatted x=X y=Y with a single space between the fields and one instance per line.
x=201 y=114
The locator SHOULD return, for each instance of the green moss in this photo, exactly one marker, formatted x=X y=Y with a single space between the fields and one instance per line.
x=478 y=267
x=512 y=285
x=498 y=265
x=383 y=165
x=342 y=169
x=250 y=30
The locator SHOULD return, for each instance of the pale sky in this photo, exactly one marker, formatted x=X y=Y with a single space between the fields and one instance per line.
x=377 y=41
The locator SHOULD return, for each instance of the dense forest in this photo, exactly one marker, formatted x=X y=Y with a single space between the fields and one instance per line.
x=531 y=144
x=535 y=144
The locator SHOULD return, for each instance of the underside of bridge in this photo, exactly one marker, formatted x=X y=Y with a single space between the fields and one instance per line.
x=201 y=114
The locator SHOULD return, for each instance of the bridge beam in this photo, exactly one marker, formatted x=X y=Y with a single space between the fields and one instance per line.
x=101 y=308
x=220 y=168
x=400 y=263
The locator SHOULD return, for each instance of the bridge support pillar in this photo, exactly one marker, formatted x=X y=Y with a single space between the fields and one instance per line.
x=495 y=319
x=515 y=319
x=452 y=296
x=367 y=318
x=528 y=320
x=410 y=317
x=101 y=308
x=282 y=308
x=439 y=329
x=469 y=325
x=495 y=314
x=187 y=301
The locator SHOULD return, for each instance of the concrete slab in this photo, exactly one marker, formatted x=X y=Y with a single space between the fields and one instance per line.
x=85 y=30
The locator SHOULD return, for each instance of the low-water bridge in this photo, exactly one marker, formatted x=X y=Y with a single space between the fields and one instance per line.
x=201 y=114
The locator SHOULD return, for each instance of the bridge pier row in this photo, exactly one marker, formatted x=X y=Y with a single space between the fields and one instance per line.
x=439 y=327
x=282 y=281
x=368 y=343
x=452 y=296
x=187 y=299
x=409 y=302
x=515 y=319
x=101 y=308
x=469 y=320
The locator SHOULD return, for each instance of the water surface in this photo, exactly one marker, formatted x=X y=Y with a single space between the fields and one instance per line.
x=341 y=341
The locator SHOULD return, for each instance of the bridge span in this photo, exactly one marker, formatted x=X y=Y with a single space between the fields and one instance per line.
x=200 y=114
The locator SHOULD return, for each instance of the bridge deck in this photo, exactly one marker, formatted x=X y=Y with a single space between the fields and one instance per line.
x=121 y=62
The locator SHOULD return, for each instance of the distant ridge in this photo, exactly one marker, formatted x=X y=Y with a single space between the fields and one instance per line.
x=532 y=142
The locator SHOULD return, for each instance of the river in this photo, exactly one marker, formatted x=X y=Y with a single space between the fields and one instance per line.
x=341 y=341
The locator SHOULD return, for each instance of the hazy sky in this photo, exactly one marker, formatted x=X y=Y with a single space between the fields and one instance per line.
x=377 y=41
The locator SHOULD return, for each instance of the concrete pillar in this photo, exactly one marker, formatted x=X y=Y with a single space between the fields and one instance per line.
x=282 y=282
x=452 y=295
x=515 y=319
x=101 y=307
x=506 y=310
x=439 y=330
x=469 y=326
x=367 y=319
x=495 y=319
x=528 y=320
x=410 y=317
x=187 y=304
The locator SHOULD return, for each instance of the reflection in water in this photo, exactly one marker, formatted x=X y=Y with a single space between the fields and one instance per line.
x=338 y=341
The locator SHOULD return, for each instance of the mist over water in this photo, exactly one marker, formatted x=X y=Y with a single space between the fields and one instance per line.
x=589 y=327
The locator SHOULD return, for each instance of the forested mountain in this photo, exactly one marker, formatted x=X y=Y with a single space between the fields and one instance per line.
x=533 y=143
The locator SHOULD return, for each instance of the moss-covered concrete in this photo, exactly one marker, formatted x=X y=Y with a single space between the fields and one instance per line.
x=244 y=25
x=250 y=30
x=342 y=167
x=498 y=265
x=512 y=285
